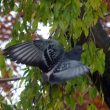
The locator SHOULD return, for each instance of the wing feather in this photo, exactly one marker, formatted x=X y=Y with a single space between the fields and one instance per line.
x=35 y=53
x=67 y=70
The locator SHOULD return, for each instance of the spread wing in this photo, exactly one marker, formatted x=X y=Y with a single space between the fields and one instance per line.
x=41 y=53
x=67 y=70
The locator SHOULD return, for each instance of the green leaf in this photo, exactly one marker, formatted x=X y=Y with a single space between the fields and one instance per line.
x=2 y=61
x=80 y=100
x=7 y=107
x=70 y=102
x=100 y=61
x=35 y=24
x=92 y=107
x=92 y=92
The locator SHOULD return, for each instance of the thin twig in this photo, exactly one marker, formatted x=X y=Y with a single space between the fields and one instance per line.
x=4 y=80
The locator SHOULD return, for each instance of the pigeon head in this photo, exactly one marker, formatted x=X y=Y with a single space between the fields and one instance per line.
x=75 y=53
x=77 y=50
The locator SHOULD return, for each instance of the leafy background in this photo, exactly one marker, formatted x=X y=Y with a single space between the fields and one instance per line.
x=68 y=20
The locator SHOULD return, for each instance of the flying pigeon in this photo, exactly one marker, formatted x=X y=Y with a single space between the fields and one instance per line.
x=57 y=65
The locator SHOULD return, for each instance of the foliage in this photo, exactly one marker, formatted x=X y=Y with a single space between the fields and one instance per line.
x=77 y=16
x=94 y=57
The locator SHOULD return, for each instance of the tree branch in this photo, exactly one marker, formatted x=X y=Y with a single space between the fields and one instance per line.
x=4 y=80
x=101 y=38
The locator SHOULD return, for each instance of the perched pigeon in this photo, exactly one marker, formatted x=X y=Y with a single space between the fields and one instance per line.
x=56 y=64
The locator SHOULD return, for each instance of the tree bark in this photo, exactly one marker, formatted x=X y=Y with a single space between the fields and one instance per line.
x=102 y=82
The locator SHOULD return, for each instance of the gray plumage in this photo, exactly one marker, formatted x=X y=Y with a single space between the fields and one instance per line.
x=56 y=64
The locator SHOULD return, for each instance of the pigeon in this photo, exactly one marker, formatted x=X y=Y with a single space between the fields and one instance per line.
x=57 y=65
